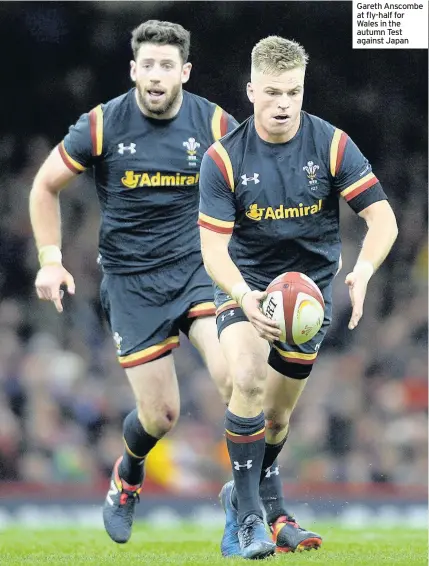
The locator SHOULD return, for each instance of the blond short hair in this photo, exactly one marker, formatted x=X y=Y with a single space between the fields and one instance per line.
x=274 y=55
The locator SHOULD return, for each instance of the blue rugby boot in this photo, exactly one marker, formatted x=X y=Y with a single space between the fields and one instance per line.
x=290 y=537
x=230 y=545
x=255 y=542
x=119 y=507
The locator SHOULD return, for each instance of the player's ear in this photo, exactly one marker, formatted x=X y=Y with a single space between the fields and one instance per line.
x=133 y=71
x=186 y=72
x=250 y=93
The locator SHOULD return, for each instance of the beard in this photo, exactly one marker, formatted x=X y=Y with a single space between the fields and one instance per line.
x=159 y=109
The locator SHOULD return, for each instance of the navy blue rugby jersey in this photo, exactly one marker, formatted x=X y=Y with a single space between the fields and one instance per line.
x=280 y=201
x=146 y=173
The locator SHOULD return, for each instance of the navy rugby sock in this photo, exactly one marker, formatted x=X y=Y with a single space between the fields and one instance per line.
x=245 y=438
x=138 y=443
x=271 y=489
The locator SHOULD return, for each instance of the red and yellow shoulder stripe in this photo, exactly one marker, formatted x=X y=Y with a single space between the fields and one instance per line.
x=96 y=129
x=338 y=146
x=221 y=226
x=71 y=163
x=359 y=186
x=95 y=117
x=220 y=156
x=219 y=123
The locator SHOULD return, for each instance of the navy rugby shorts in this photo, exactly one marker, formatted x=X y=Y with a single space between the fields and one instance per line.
x=146 y=311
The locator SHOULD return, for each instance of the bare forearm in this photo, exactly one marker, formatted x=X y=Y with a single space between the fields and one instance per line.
x=222 y=269
x=381 y=235
x=45 y=217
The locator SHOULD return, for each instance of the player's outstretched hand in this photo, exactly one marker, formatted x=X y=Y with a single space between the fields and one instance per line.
x=357 y=282
x=48 y=284
x=251 y=305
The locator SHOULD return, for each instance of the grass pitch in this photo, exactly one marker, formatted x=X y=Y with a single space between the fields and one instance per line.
x=182 y=545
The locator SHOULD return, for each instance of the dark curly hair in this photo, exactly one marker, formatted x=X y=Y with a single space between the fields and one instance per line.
x=161 y=33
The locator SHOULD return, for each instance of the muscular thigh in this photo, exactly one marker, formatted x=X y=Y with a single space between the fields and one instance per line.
x=156 y=391
x=203 y=335
x=240 y=342
x=244 y=349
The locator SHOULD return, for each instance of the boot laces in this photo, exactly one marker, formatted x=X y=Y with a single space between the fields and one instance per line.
x=129 y=497
x=247 y=531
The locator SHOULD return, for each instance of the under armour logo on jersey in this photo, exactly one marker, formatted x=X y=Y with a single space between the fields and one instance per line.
x=364 y=171
x=269 y=472
x=247 y=465
x=122 y=148
x=246 y=179
x=112 y=492
x=229 y=313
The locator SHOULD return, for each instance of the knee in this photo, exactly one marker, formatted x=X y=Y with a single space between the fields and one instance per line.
x=249 y=377
x=276 y=423
x=158 y=422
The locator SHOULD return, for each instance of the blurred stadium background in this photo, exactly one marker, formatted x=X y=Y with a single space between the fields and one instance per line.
x=359 y=436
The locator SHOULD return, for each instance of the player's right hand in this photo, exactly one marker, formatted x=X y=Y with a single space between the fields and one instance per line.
x=48 y=284
x=251 y=305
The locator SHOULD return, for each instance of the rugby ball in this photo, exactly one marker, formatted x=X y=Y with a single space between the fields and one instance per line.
x=296 y=303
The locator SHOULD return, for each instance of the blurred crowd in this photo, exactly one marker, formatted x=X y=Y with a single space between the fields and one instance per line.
x=63 y=396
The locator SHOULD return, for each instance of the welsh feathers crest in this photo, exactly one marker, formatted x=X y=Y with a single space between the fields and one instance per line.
x=311 y=170
x=191 y=145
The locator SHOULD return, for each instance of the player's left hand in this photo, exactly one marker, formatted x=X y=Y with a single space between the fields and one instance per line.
x=357 y=282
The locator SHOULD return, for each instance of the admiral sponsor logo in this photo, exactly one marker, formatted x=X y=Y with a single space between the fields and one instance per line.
x=280 y=213
x=133 y=179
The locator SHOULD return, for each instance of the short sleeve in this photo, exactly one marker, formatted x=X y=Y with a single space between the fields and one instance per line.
x=222 y=123
x=352 y=174
x=84 y=141
x=217 y=200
